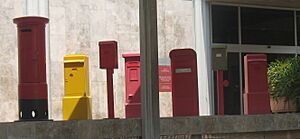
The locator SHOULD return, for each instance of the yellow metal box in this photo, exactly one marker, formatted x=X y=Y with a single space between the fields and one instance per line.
x=77 y=108
x=76 y=72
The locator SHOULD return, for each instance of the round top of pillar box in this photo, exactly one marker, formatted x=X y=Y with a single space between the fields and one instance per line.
x=30 y=20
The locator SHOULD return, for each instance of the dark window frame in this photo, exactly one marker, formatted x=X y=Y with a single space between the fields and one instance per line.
x=295 y=25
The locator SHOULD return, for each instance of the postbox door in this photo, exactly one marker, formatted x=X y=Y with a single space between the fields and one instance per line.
x=133 y=94
x=75 y=79
x=30 y=56
x=25 y=55
x=257 y=76
x=183 y=72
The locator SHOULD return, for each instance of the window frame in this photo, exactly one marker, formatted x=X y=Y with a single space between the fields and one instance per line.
x=256 y=47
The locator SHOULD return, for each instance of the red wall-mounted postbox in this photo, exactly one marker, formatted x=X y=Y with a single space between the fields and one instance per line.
x=108 y=54
x=32 y=88
x=184 y=82
x=165 y=78
x=256 y=96
x=132 y=83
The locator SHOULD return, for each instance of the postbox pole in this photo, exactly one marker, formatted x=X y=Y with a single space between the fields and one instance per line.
x=220 y=91
x=110 y=93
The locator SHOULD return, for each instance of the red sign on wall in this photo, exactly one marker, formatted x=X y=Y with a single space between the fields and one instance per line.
x=165 y=79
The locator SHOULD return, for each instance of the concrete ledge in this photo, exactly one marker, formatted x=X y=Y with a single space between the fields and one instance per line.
x=230 y=124
x=132 y=127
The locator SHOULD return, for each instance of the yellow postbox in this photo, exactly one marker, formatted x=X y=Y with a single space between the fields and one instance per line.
x=77 y=99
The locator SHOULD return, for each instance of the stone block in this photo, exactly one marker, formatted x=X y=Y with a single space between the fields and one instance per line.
x=24 y=130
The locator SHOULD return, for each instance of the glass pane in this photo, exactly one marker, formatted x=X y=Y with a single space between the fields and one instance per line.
x=267 y=26
x=298 y=28
x=224 y=24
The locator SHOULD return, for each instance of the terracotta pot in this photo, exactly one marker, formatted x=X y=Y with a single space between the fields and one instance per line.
x=280 y=106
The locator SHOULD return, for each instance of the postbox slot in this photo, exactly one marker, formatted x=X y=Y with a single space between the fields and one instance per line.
x=133 y=64
x=26 y=30
x=257 y=60
x=75 y=64
x=183 y=70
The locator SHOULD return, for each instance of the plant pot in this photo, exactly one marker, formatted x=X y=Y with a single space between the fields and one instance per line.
x=281 y=106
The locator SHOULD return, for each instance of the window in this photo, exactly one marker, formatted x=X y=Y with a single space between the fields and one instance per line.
x=258 y=26
x=267 y=27
x=298 y=28
x=225 y=24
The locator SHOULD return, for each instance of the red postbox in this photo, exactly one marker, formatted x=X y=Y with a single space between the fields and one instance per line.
x=108 y=54
x=32 y=88
x=132 y=83
x=109 y=60
x=256 y=96
x=184 y=82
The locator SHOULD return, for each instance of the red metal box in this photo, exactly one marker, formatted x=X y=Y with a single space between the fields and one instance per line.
x=108 y=54
x=132 y=83
x=184 y=82
x=33 y=96
x=256 y=95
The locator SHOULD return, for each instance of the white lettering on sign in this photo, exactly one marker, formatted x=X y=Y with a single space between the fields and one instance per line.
x=183 y=70
x=218 y=55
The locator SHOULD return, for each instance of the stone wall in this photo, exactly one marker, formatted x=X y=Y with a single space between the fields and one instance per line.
x=276 y=126
x=294 y=134
x=76 y=27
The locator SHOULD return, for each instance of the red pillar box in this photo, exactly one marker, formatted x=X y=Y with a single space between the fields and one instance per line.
x=184 y=82
x=132 y=83
x=33 y=99
x=256 y=96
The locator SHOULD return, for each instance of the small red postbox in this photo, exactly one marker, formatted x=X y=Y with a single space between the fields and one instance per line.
x=184 y=82
x=165 y=78
x=256 y=95
x=32 y=88
x=108 y=54
x=132 y=83
x=108 y=51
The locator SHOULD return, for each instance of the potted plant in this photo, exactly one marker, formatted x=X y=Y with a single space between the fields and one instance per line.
x=284 y=84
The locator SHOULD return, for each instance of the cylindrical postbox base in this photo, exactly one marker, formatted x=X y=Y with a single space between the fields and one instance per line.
x=33 y=109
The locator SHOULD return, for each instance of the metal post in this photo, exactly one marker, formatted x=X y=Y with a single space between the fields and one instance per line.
x=220 y=90
x=149 y=67
x=110 y=93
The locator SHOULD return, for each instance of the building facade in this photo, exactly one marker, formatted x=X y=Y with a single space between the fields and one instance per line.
x=75 y=27
x=242 y=27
